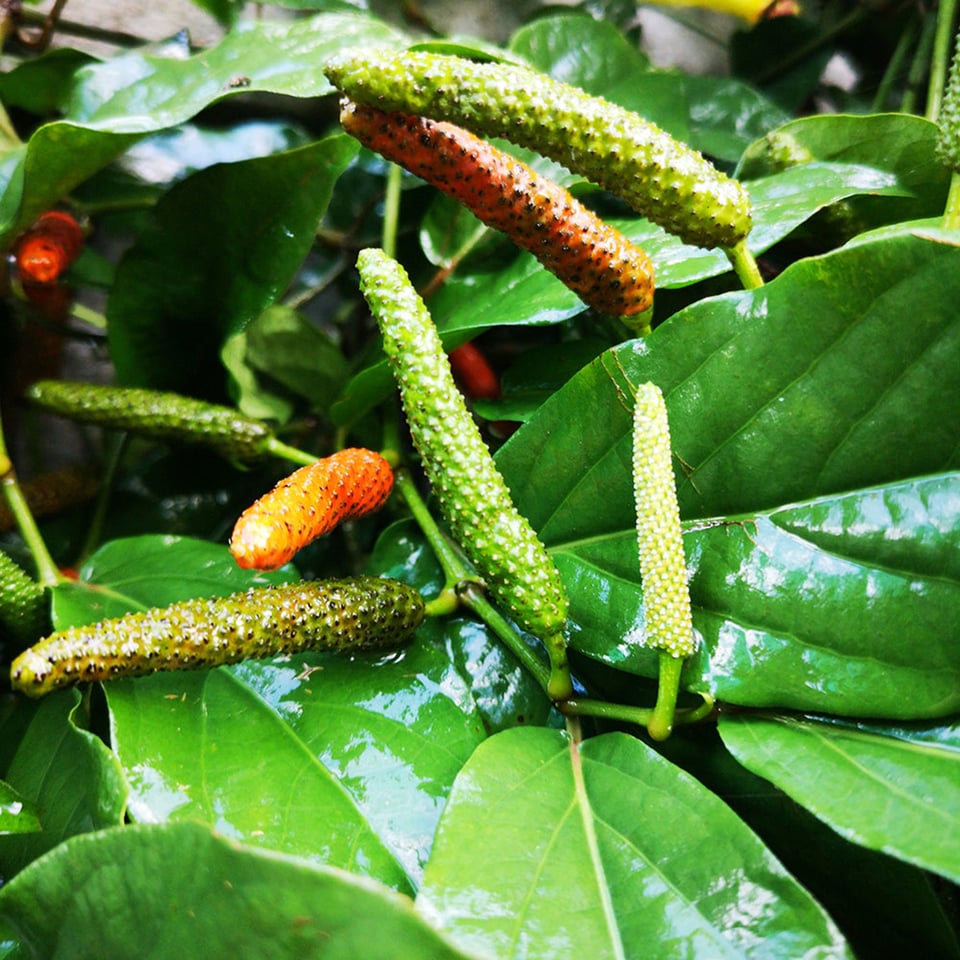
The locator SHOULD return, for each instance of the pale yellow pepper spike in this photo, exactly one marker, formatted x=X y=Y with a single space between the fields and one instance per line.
x=668 y=619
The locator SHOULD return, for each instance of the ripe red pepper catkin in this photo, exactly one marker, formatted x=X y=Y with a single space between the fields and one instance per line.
x=473 y=372
x=45 y=250
x=592 y=258
x=309 y=503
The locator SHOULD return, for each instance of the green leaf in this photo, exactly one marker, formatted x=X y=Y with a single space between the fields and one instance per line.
x=354 y=755
x=190 y=282
x=851 y=399
x=904 y=779
x=116 y=102
x=17 y=815
x=285 y=349
x=69 y=778
x=183 y=890
x=852 y=394
x=550 y=849
x=144 y=92
x=900 y=144
x=884 y=907
x=578 y=49
x=153 y=570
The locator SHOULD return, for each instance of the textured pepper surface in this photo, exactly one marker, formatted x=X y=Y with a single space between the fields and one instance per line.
x=661 y=178
x=666 y=596
x=349 y=614
x=592 y=258
x=47 y=248
x=309 y=503
x=23 y=609
x=155 y=413
x=473 y=496
x=948 y=143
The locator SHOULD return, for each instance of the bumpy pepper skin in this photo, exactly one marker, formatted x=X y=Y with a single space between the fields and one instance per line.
x=309 y=503
x=349 y=614
x=593 y=259
x=663 y=570
x=948 y=143
x=23 y=609
x=473 y=496
x=156 y=413
x=661 y=178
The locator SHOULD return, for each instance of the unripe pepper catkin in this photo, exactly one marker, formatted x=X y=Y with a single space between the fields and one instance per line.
x=309 y=503
x=661 y=178
x=473 y=496
x=349 y=614
x=663 y=570
x=592 y=258
x=156 y=413
x=24 y=612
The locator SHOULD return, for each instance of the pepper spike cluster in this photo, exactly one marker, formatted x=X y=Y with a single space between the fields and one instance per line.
x=660 y=177
x=310 y=502
x=349 y=614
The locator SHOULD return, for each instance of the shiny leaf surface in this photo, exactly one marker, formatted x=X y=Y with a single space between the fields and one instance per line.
x=906 y=779
x=548 y=849
x=184 y=890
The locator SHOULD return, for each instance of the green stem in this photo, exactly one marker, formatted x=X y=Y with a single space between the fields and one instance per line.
x=93 y=317
x=391 y=210
x=668 y=686
x=940 y=58
x=745 y=265
x=894 y=67
x=475 y=599
x=919 y=64
x=47 y=572
x=641 y=716
x=951 y=214
x=461 y=580
x=455 y=571
x=116 y=445
x=280 y=449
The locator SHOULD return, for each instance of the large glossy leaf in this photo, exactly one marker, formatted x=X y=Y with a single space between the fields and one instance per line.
x=548 y=848
x=808 y=606
x=115 y=102
x=906 y=779
x=853 y=397
x=190 y=282
x=835 y=375
x=182 y=890
x=68 y=777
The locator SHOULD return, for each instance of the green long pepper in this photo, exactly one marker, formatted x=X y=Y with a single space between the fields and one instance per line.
x=660 y=177
x=23 y=607
x=473 y=496
x=349 y=614
x=156 y=413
